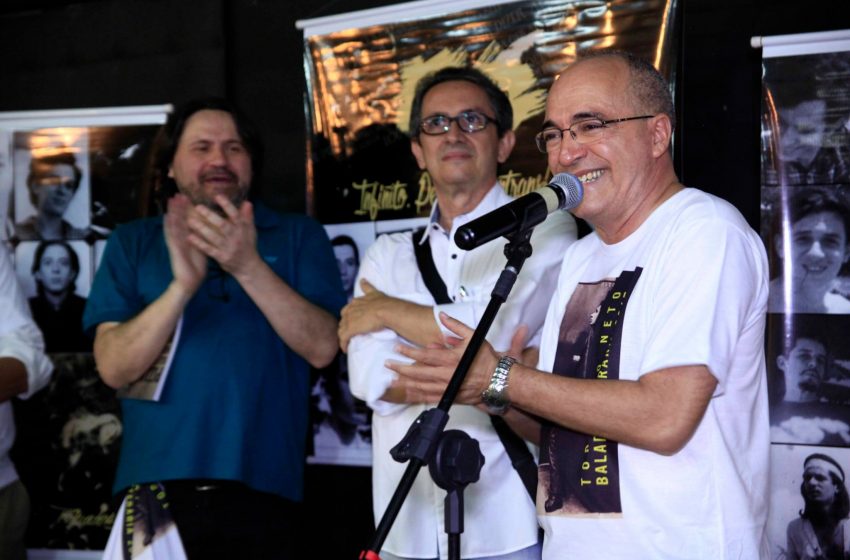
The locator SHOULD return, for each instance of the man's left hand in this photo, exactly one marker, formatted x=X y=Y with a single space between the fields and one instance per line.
x=230 y=239
x=362 y=314
x=434 y=366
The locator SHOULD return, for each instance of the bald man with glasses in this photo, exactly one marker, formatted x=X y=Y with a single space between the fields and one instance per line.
x=461 y=130
x=651 y=383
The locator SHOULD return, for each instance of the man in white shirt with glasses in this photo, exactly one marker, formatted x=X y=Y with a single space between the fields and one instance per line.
x=461 y=130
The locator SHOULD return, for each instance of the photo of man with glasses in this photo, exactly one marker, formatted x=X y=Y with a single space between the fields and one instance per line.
x=52 y=182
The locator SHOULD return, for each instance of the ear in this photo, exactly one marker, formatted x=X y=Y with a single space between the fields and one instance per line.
x=170 y=171
x=779 y=245
x=781 y=362
x=661 y=132
x=416 y=148
x=506 y=146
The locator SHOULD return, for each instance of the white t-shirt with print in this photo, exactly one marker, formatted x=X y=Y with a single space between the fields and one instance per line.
x=700 y=299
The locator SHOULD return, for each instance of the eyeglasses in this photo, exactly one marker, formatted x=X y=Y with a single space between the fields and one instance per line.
x=468 y=121
x=583 y=132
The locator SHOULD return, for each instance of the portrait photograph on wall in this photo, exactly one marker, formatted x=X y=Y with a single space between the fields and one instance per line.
x=808 y=379
x=808 y=498
x=52 y=185
x=341 y=423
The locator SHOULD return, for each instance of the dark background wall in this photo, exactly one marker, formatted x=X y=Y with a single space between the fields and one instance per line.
x=100 y=53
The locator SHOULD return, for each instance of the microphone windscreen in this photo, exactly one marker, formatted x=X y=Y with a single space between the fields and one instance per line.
x=571 y=188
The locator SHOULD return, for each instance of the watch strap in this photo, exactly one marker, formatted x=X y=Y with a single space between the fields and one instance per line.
x=495 y=396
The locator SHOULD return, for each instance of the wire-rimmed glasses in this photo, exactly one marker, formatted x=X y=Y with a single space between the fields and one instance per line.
x=583 y=132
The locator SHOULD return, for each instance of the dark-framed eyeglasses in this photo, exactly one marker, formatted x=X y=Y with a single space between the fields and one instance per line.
x=585 y=131
x=468 y=121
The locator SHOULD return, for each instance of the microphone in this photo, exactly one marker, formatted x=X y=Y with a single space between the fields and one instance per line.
x=563 y=192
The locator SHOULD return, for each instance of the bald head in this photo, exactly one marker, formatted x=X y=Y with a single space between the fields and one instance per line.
x=648 y=91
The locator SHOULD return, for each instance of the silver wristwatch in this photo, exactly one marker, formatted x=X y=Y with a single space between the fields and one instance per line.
x=494 y=396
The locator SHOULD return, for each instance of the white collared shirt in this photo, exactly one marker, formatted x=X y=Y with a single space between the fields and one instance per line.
x=499 y=516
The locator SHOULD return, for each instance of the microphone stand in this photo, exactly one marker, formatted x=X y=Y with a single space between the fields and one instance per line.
x=459 y=459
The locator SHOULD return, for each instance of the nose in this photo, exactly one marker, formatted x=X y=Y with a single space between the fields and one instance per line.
x=218 y=155
x=567 y=153
x=816 y=250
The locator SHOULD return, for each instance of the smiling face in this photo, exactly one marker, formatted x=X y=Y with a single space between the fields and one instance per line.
x=804 y=369
x=457 y=160
x=817 y=252
x=211 y=159
x=623 y=167
x=54 y=270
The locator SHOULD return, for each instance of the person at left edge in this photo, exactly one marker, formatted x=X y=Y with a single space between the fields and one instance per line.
x=24 y=369
x=258 y=293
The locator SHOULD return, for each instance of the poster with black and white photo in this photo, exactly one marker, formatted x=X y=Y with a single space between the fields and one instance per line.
x=805 y=193
x=808 y=501
x=67 y=178
x=806 y=173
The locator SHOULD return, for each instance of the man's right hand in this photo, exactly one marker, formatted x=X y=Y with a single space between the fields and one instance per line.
x=188 y=264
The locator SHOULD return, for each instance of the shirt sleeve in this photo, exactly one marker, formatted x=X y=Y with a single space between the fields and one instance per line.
x=20 y=338
x=114 y=295
x=708 y=287
x=318 y=275
x=368 y=377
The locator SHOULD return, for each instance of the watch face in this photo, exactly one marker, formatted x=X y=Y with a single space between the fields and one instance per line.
x=495 y=406
x=500 y=411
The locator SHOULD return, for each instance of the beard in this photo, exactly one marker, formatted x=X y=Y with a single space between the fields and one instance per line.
x=808 y=384
x=201 y=193
x=236 y=199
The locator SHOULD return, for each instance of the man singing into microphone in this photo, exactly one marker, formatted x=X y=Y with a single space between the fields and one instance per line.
x=651 y=379
x=461 y=130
